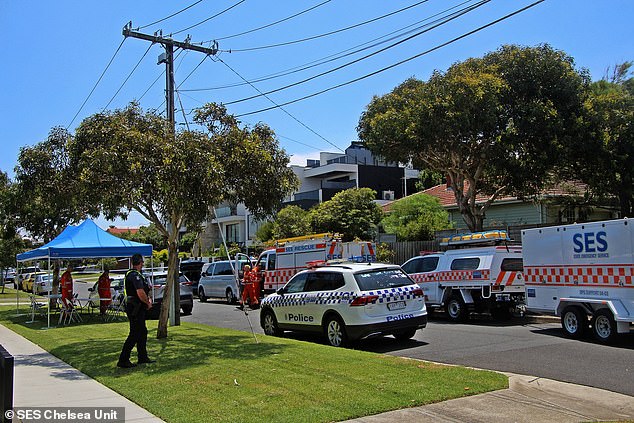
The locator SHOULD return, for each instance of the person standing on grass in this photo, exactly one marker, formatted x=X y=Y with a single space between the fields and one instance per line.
x=66 y=285
x=137 y=304
x=103 y=288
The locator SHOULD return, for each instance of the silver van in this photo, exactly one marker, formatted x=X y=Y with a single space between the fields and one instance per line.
x=217 y=280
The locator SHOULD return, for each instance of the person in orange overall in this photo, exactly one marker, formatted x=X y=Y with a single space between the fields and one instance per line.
x=256 y=278
x=66 y=285
x=248 y=291
x=103 y=287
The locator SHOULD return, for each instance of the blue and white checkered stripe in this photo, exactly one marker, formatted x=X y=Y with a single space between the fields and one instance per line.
x=339 y=297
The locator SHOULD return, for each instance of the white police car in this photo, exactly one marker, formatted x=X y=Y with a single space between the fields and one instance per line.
x=347 y=302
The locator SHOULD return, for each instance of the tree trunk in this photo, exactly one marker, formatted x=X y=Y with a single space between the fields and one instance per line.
x=172 y=275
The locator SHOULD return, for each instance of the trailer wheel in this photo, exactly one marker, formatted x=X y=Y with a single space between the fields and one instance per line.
x=574 y=322
x=604 y=326
x=456 y=309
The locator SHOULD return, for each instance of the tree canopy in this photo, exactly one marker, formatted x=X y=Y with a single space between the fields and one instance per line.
x=416 y=218
x=494 y=126
x=291 y=221
x=130 y=159
x=351 y=213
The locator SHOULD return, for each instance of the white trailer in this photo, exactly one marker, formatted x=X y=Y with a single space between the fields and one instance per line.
x=583 y=273
x=289 y=256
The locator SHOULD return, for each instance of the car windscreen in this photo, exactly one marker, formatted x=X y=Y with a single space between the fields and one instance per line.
x=381 y=279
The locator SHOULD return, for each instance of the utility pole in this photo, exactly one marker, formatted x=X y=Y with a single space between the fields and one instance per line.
x=168 y=59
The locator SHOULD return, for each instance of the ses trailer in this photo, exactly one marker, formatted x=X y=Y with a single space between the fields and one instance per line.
x=583 y=273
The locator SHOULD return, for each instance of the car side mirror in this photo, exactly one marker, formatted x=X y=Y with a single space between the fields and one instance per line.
x=91 y=289
x=281 y=291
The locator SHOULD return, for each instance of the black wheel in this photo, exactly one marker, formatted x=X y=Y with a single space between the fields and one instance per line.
x=604 y=326
x=456 y=309
x=201 y=295
x=187 y=310
x=229 y=296
x=335 y=331
x=574 y=322
x=269 y=323
x=404 y=335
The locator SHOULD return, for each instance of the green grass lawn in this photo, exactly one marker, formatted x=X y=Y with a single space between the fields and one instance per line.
x=9 y=294
x=205 y=373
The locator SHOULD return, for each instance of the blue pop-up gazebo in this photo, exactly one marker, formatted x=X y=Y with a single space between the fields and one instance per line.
x=86 y=240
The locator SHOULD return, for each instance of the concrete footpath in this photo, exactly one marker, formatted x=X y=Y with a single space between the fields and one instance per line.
x=42 y=380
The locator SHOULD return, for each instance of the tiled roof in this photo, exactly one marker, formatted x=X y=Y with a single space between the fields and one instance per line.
x=118 y=231
x=447 y=198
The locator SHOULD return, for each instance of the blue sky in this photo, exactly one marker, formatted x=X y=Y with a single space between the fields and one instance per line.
x=55 y=51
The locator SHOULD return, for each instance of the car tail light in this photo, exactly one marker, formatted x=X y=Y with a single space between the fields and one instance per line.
x=186 y=283
x=418 y=292
x=364 y=300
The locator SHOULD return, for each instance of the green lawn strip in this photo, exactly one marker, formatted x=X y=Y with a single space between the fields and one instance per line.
x=204 y=373
x=9 y=295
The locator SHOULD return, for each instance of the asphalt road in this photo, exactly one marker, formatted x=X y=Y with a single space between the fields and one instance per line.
x=537 y=349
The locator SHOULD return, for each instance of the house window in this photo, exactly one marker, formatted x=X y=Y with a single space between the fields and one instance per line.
x=232 y=232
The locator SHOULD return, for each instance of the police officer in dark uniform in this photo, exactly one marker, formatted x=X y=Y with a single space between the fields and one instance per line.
x=137 y=304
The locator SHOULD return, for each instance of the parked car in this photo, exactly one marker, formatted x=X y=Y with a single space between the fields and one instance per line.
x=192 y=269
x=347 y=302
x=217 y=280
x=24 y=274
x=158 y=287
x=43 y=283
x=29 y=279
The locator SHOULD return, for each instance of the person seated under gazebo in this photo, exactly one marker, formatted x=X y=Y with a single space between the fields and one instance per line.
x=103 y=287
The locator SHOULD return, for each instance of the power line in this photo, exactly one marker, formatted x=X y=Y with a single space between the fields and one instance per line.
x=336 y=56
x=397 y=63
x=280 y=107
x=328 y=33
x=273 y=23
x=96 y=83
x=187 y=77
x=163 y=73
x=170 y=16
x=128 y=77
x=209 y=18
x=440 y=22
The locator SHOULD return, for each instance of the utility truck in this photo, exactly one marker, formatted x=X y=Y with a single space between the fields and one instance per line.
x=583 y=273
x=480 y=273
x=291 y=255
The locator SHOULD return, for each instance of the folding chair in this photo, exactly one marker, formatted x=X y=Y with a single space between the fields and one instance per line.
x=39 y=308
x=116 y=309
x=68 y=314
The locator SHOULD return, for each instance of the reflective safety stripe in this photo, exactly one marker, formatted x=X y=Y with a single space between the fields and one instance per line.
x=605 y=275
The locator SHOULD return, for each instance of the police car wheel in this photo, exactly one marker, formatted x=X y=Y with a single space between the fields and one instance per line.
x=336 y=332
x=269 y=323
x=574 y=322
x=604 y=326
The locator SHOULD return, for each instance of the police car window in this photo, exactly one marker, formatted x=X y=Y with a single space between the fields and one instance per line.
x=296 y=284
x=323 y=281
x=471 y=263
x=381 y=279
x=512 y=265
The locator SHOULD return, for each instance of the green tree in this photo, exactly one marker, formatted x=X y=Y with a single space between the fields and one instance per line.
x=604 y=159
x=291 y=221
x=351 y=213
x=265 y=231
x=416 y=218
x=10 y=243
x=46 y=192
x=132 y=160
x=494 y=126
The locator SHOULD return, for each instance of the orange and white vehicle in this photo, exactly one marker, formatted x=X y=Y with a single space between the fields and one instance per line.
x=583 y=273
x=483 y=279
x=291 y=255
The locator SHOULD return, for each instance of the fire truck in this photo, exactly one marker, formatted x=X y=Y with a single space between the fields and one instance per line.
x=480 y=272
x=583 y=273
x=288 y=256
